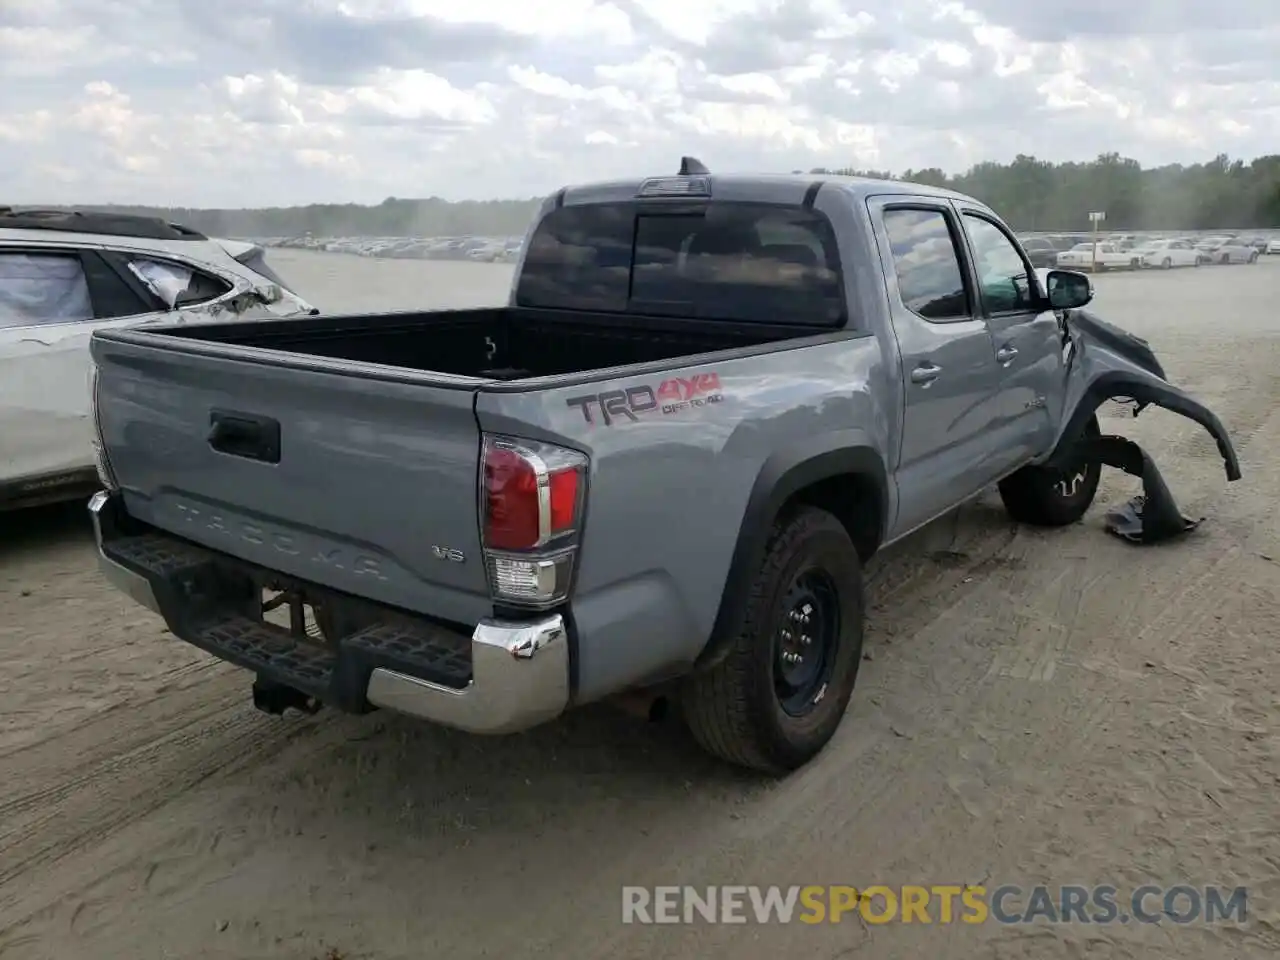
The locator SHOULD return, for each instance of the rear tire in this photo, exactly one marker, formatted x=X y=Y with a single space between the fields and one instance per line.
x=1166 y=263
x=775 y=701
x=1043 y=497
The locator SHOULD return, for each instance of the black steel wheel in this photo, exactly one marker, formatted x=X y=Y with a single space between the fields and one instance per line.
x=777 y=693
x=807 y=641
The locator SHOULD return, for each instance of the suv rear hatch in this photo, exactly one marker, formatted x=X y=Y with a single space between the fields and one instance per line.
x=321 y=469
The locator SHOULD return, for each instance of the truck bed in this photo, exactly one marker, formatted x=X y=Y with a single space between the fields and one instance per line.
x=286 y=446
x=504 y=343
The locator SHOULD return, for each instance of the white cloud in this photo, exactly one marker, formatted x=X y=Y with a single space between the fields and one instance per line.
x=257 y=102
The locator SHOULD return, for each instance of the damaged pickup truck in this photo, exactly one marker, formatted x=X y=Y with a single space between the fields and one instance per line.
x=662 y=466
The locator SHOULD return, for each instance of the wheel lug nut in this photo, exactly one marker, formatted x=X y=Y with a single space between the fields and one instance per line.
x=806 y=639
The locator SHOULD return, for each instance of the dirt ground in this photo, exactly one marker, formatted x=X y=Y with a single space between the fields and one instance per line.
x=1037 y=707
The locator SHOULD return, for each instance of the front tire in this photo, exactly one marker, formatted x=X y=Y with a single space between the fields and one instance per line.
x=776 y=699
x=1043 y=497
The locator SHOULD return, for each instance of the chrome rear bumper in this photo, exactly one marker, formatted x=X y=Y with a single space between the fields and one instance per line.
x=519 y=679
x=519 y=670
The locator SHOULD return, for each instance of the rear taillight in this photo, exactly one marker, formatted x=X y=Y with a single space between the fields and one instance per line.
x=532 y=499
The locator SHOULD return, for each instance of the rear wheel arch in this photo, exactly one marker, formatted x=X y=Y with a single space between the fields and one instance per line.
x=849 y=482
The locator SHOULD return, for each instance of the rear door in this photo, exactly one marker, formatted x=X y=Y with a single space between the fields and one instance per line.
x=949 y=372
x=52 y=298
x=332 y=471
x=1028 y=340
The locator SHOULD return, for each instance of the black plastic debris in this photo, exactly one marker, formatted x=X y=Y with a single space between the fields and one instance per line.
x=1150 y=517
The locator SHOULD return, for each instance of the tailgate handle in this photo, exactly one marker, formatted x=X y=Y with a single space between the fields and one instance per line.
x=245 y=435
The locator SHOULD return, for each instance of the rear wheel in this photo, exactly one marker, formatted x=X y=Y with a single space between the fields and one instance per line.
x=1045 y=497
x=1166 y=263
x=779 y=695
x=1253 y=257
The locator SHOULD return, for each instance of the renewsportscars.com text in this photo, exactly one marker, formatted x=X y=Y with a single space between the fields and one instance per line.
x=934 y=904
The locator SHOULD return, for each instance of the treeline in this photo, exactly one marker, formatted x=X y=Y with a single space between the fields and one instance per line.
x=1031 y=194
x=1035 y=194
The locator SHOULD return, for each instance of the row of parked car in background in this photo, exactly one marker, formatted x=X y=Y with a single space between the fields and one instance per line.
x=1124 y=251
x=477 y=249
x=1128 y=251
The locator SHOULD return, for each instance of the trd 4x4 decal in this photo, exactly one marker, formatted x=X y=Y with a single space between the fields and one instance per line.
x=668 y=397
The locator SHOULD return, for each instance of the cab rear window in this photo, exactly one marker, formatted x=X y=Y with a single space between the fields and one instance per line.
x=750 y=263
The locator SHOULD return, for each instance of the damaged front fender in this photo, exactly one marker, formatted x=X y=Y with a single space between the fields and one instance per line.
x=1104 y=362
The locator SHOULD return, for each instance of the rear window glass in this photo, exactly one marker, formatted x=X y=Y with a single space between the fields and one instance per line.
x=176 y=284
x=737 y=262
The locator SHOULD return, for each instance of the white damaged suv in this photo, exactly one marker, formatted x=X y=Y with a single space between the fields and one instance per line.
x=64 y=274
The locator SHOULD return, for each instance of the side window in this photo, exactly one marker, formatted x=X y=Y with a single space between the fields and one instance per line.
x=42 y=288
x=1001 y=271
x=176 y=284
x=930 y=279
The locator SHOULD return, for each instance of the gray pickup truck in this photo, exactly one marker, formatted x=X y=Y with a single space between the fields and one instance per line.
x=662 y=466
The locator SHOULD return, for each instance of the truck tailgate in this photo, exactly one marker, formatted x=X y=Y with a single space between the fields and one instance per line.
x=370 y=489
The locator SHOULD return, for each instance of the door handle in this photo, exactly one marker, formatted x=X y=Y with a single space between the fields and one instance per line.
x=245 y=435
x=925 y=374
x=1006 y=353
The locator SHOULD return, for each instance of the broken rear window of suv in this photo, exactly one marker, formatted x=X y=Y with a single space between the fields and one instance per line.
x=740 y=262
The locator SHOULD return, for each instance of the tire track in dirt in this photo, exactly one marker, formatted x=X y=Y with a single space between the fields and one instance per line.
x=156 y=763
x=83 y=738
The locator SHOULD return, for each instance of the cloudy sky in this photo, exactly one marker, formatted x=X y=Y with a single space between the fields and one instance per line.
x=257 y=102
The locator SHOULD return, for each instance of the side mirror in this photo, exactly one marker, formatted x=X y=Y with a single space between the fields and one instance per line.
x=1068 y=290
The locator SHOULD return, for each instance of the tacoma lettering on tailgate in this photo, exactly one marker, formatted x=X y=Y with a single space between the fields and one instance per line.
x=320 y=554
x=668 y=397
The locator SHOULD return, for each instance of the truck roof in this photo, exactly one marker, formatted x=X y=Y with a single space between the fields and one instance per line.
x=776 y=188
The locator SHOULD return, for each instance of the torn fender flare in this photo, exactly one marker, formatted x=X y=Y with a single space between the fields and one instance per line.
x=1146 y=389
x=1104 y=362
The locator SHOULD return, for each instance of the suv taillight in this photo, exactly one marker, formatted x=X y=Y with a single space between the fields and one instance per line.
x=532 y=497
